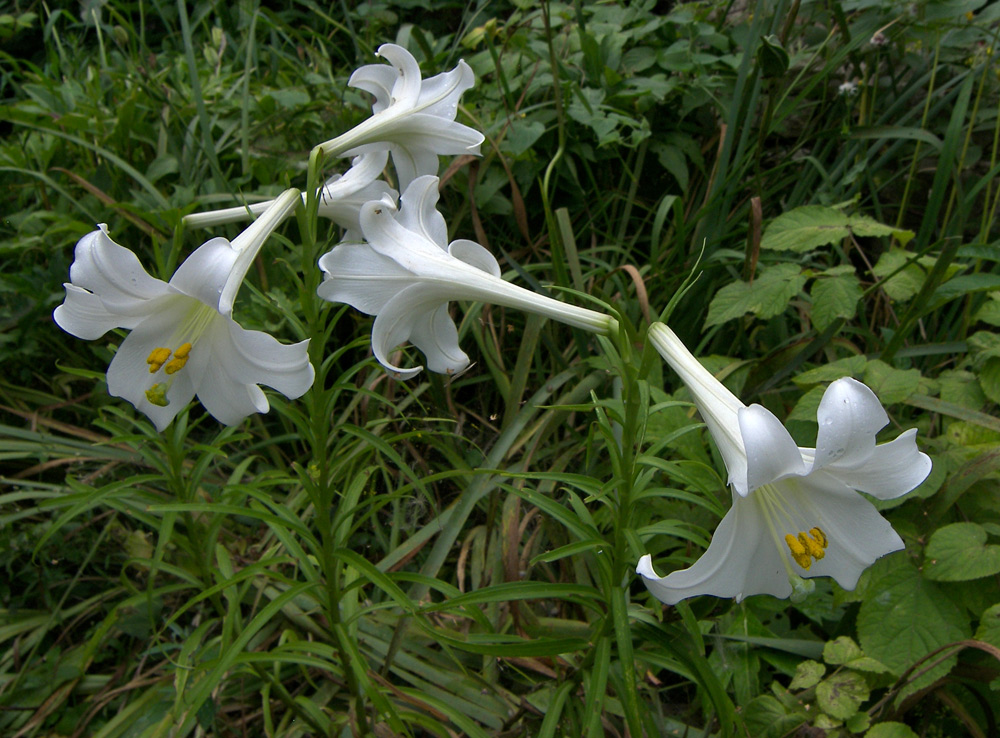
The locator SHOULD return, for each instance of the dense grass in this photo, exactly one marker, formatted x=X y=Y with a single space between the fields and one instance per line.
x=455 y=557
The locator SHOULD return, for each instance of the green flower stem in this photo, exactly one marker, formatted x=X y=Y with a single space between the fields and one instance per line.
x=317 y=476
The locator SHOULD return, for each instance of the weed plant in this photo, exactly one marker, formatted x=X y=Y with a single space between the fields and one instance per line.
x=445 y=557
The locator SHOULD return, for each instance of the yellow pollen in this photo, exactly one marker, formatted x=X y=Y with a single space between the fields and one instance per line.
x=176 y=364
x=157 y=394
x=798 y=551
x=157 y=358
x=820 y=536
x=807 y=546
x=812 y=546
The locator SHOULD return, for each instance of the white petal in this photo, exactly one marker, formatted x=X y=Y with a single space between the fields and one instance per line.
x=412 y=161
x=129 y=376
x=436 y=335
x=361 y=277
x=345 y=209
x=849 y=416
x=741 y=560
x=771 y=452
x=437 y=135
x=475 y=255
x=414 y=312
x=856 y=532
x=114 y=274
x=411 y=250
x=892 y=469
x=204 y=274
x=418 y=211
x=718 y=406
x=439 y=95
x=238 y=361
x=377 y=79
x=406 y=89
x=83 y=315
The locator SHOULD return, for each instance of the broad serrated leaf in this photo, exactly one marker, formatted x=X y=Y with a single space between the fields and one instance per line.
x=890 y=730
x=849 y=366
x=765 y=297
x=891 y=385
x=842 y=693
x=961 y=388
x=807 y=674
x=989 y=378
x=904 y=284
x=766 y=717
x=843 y=651
x=808 y=405
x=958 y=552
x=989 y=626
x=904 y=617
x=990 y=311
x=811 y=226
x=834 y=297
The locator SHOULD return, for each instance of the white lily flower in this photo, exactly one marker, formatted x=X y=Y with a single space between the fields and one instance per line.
x=413 y=119
x=183 y=340
x=795 y=510
x=407 y=272
x=340 y=199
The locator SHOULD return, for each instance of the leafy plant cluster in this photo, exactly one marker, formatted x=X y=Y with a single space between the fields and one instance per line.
x=455 y=557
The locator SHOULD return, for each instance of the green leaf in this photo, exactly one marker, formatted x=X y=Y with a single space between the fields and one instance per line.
x=889 y=384
x=772 y=57
x=850 y=366
x=811 y=226
x=834 y=297
x=842 y=693
x=989 y=378
x=766 y=717
x=807 y=674
x=958 y=552
x=906 y=282
x=765 y=297
x=890 y=730
x=989 y=626
x=858 y=721
x=904 y=617
x=843 y=651
x=522 y=135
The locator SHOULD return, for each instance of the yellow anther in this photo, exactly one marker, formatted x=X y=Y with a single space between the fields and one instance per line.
x=820 y=536
x=157 y=358
x=799 y=553
x=182 y=351
x=807 y=546
x=176 y=364
x=157 y=395
x=812 y=546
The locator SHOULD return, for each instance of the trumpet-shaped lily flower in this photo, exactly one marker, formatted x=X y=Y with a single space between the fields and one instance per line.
x=413 y=119
x=795 y=510
x=340 y=199
x=406 y=273
x=183 y=340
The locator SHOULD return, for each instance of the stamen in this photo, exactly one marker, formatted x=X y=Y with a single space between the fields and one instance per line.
x=807 y=546
x=176 y=364
x=157 y=358
x=820 y=536
x=184 y=349
x=812 y=546
x=157 y=394
x=798 y=550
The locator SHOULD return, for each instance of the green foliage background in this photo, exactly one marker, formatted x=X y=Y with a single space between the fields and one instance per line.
x=454 y=558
